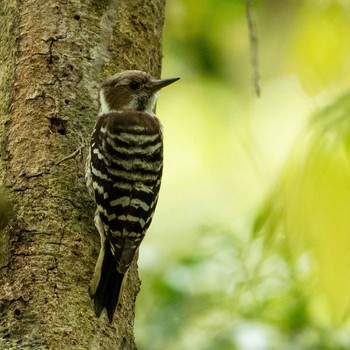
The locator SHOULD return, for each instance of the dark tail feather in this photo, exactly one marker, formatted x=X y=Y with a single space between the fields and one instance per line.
x=109 y=287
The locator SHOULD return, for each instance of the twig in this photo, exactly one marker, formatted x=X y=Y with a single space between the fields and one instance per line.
x=253 y=40
x=70 y=156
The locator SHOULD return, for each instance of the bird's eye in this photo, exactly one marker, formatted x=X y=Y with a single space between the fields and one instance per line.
x=134 y=85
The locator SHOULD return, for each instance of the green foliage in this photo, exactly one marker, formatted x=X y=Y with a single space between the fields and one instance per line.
x=249 y=245
x=310 y=205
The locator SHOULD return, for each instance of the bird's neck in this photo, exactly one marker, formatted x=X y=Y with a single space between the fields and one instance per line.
x=131 y=106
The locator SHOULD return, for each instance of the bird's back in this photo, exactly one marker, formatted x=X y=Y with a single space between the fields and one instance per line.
x=126 y=169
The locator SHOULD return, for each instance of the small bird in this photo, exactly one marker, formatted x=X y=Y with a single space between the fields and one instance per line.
x=123 y=175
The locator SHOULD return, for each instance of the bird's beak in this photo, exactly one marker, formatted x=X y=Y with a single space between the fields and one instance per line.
x=160 y=83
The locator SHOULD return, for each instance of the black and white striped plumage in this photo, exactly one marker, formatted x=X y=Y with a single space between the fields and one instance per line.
x=123 y=174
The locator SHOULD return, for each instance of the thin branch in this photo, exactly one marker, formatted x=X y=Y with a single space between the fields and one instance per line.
x=253 y=40
x=70 y=156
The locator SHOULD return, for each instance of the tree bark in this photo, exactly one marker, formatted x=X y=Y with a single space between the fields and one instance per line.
x=53 y=54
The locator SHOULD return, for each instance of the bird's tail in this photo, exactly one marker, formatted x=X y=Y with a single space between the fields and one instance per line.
x=108 y=283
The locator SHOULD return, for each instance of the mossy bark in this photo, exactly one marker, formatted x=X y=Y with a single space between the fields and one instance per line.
x=53 y=54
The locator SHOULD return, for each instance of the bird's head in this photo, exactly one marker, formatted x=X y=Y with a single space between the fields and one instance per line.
x=131 y=90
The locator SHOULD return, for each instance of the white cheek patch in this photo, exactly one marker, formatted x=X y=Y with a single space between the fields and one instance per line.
x=104 y=109
x=151 y=103
x=133 y=104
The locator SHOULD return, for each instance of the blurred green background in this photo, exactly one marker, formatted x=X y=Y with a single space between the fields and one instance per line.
x=250 y=245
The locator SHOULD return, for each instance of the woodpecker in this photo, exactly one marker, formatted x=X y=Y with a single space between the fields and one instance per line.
x=123 y=175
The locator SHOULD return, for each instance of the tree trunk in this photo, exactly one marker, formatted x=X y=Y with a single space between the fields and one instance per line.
x=53 y=54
